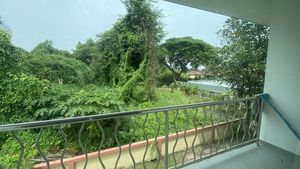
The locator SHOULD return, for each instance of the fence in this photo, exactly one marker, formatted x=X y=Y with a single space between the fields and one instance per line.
x=170 y=137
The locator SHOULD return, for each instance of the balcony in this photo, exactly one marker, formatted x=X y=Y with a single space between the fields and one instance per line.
x=185 y=136
x=225 y=134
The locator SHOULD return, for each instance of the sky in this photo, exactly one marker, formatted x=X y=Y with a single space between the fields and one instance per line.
x=66 y=22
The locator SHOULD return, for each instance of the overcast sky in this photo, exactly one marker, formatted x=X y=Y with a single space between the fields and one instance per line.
x=66 y=22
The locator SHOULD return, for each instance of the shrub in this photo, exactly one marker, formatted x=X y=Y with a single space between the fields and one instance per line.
x=59 y=69
x=20 y=93
x=188 y=90
x=166 y=78
x=49 y=142
x=9 y=57
x=71 y=101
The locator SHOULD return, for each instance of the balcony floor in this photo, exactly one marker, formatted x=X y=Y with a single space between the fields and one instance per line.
x=265 y=156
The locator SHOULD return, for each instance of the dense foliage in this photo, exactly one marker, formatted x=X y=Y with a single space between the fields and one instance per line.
x=180 y=53
x=72 y=101
x=9 y=56
x=129 y=50
x=59 y=68
x=18 y=100
x=242 y=60
x=117 y=71
x=46 y=48
x=48 y=83
x=85 y=51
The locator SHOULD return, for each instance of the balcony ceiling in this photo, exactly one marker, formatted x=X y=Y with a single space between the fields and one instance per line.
x=258 y=11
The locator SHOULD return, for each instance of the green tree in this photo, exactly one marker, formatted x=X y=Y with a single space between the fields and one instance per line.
x=59 y=69
x=118 y=55
x=85 y=51
x=127 y=55
x=17 y=90
x=10 y=60
x=18 y=101
x=148 y=25
x=242 y=59
x=46 y=48
x=179 y=53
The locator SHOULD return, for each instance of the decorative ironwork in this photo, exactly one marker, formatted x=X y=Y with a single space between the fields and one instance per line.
x=189 y=133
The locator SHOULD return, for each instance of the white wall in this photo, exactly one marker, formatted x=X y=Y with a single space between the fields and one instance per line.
x=282 y=80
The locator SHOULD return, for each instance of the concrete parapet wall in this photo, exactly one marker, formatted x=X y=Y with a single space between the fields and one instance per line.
x=109 y=156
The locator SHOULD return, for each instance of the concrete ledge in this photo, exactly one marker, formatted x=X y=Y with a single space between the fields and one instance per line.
x=109 y=155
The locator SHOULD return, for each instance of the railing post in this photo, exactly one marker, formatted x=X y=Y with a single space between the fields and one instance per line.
x=166 y=140
x=260 y=110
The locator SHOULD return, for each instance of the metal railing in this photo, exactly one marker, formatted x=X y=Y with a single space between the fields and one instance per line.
x=187 y=134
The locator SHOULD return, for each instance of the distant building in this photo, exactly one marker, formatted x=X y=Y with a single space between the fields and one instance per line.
x=195 y=74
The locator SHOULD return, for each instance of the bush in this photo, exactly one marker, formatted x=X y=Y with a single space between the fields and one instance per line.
x=59 y=69
x=71 y=101
x=9 y=57
x=20 y=93
x=184 y=77
x=166 y=78
x=166 y=98
x=49 y=142
x=188 y=90
x=138 y=95
x=45 y=101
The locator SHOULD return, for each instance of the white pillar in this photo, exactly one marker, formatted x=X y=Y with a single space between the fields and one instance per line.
x=282 y=80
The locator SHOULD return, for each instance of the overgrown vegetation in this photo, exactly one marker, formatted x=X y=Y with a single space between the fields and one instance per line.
x=242 y=59
x=125 y=68
x=116 y=72
x=59 y=68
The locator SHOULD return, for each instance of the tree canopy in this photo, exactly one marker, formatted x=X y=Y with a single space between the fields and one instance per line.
x=10 y=59
x=46 y=48
x=59 y=69
x=127 y=54
x=17 y=90
x=85 y=51
x=186 y=51
x=242 y=59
